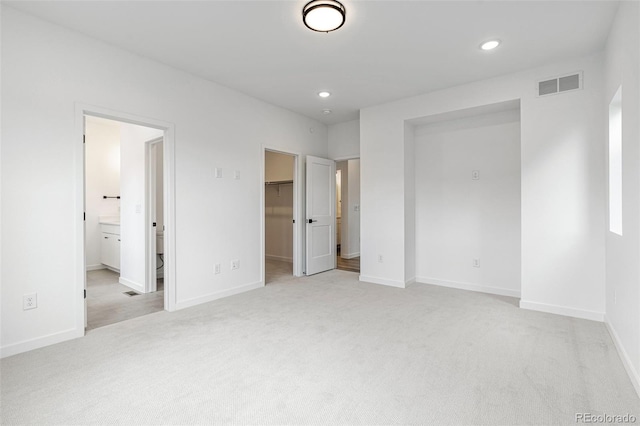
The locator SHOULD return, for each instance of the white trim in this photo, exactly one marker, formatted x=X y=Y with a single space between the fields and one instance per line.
x=381 y=281
x=350 y=255
x=280 y=258
x=132 y=284
x=40 y=342
x=346 y=158
x=469 y=286
x=562 y=310
x=624 y=356
x=218 y=295
x=95 y=267
x=410 y=281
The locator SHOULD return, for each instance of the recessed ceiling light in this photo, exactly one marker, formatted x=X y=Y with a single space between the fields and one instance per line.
x=326 y=111
x=324 y=94
x=490 y=45
x=323 y=15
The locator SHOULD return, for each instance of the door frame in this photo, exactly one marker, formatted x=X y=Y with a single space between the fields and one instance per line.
x=297 y=210
x=82 y=110
x=150 y=161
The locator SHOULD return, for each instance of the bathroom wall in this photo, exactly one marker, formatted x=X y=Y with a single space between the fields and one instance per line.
x=102 y=177
x=133 y=203
x=159 y=206
x=352 y=205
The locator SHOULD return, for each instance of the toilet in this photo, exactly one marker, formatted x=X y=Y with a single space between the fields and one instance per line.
x=160 y=242
x=159 y=253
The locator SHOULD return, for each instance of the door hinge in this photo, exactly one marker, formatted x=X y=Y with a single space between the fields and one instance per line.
x=84 y=138
x=84 y=216
x=85 y=293
x=154 y=224
x=294 y=221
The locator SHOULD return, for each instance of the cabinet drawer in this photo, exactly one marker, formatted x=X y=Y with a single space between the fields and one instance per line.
x=110 y=229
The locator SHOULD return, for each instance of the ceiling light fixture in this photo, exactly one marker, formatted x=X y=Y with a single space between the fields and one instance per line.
x=490 y=45
x=323 y=15
x=326 y=111
x=324 y=94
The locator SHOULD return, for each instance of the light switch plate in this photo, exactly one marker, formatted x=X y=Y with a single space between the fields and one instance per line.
x=218 y=172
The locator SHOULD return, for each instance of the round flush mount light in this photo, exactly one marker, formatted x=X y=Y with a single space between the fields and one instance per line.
x=324 y=94
x=326 y=111
x=490 y=45
x=323 y=15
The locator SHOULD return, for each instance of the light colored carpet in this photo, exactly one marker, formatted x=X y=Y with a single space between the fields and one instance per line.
x=326 y=349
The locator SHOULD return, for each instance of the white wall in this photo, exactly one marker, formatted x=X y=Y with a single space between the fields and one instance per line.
x=102 y=169
x=159 y=147
x=562 y=159
x=344 y=140
x=342 y=201
x=622 y=68
x=352 y=205
x=459 y=219
x=133 y=206
x=217 y=220
x=409 y=149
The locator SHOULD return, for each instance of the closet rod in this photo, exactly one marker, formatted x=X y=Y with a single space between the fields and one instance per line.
x=279 y=182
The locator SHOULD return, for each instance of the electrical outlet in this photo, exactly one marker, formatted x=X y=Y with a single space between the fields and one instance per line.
x=235 y=264
x=29 y=301
x=379 y=258
x=216 y=268
x=476 y=263
x=475 y=174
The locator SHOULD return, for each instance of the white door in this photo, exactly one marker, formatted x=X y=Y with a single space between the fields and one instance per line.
x=321 y=220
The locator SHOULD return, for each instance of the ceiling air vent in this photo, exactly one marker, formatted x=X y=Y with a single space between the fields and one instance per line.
x=560 y=84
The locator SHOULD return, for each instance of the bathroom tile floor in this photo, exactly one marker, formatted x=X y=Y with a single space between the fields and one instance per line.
x=107 y=303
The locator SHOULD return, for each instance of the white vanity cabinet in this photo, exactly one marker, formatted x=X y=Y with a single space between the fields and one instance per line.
x=110 y=246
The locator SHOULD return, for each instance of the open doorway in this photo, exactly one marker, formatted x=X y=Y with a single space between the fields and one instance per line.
x=348 y=215
x=121 y=172
x=279 y=215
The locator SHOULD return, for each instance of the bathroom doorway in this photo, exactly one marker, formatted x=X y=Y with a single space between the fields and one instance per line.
x=348 y=215
x=122 y=165
x=280 y=211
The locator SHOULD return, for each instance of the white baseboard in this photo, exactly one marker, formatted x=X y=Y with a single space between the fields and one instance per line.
x=410 y=281
x=382 y=281
x=469 y=286
x=95 y=267
x=217 y=295
x=281 y=258
x=349 y=255
x=562 y=310
x=624 y=356
x=40 y=342
x=134 y=285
